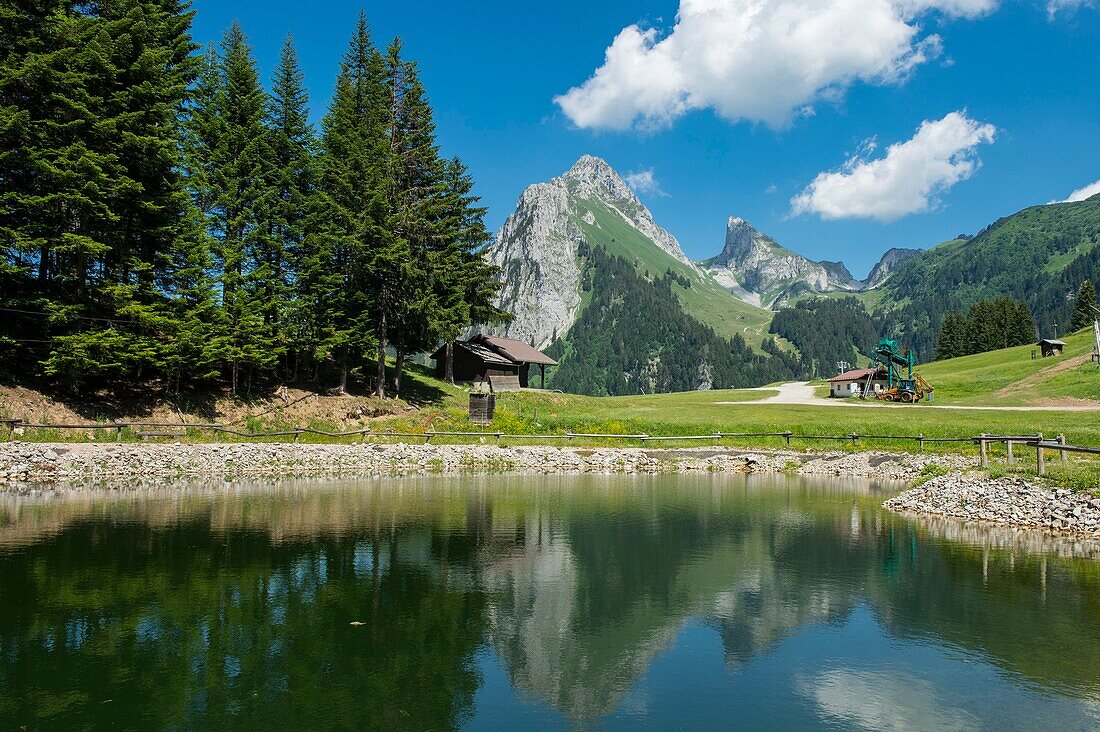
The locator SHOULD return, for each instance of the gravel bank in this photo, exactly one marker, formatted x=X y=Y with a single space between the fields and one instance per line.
x=39 y=463
x=1004 y=501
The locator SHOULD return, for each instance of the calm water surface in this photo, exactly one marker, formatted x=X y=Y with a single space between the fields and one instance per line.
x=536 y=602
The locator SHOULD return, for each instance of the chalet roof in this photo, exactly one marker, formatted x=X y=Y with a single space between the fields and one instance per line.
x=854 y=375
x=487 y=355
x=518 y=351
x=1051 y=341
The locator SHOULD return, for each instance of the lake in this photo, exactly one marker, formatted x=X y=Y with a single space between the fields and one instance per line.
x=536 y=602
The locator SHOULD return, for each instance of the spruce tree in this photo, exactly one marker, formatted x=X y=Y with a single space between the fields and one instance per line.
x=952 y=338
x=293 y=180
x=349 y=242
x=239 y=173
x=414 y=187
x=467 y=284
x=1084 y=307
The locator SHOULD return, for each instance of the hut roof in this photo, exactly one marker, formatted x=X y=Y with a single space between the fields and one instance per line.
x=854 y=375
x=1051 y=341
x=487 y=355
x=518 y=351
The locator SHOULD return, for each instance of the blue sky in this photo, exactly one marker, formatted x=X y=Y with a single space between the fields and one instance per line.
x=753 y=108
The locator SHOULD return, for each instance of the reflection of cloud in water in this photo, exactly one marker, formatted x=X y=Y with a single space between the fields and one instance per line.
x=881 y=700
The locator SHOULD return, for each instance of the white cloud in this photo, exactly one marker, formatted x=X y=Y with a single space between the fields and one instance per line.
x=1054 y=7
x=759 y=60
x=1082 y=193
x=644 y=183
x=908 y=179
x=883 y=700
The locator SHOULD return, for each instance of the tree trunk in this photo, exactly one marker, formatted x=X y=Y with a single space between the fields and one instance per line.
x=343 y=373
x=236 y=371
x=398 y=370
x=380 y=388
x=449 y=367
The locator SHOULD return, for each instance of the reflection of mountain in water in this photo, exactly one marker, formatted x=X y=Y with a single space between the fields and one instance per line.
x=191 y=603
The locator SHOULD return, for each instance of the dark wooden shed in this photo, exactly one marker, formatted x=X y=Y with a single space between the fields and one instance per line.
x=484 y=356
x=1051 y=347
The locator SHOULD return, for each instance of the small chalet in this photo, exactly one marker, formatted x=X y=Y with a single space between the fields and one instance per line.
x=852 y=383
x=503 y=363
x=1051 y=347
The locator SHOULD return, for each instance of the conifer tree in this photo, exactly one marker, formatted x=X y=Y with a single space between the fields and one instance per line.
x=292 y=144
x=466 y=283
x=952 y=339
x=239 y=172
x=349 y=244
x=1084 y=307
x=414 y=186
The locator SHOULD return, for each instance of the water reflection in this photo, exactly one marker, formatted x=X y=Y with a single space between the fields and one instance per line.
x=392 y=603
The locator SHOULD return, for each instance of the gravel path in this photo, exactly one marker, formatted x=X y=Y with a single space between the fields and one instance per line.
x=801 y=392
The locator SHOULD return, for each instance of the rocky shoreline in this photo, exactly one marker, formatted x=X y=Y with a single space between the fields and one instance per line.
x=31 y=464
x=1012 y=501
x=959 y=494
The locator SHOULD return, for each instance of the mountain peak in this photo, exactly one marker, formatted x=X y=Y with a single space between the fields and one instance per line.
x=592 y=177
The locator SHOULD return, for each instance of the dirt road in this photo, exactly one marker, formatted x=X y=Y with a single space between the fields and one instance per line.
x=801 y=392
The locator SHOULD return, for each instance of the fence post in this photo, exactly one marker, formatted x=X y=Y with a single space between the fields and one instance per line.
x=118 y=433
x=1062 y=453
x=1011 y=459
x=983 y=451
x=1040 y=460
x=297 y=434
x=854 y=437
x=920 y=440
x=787 y=434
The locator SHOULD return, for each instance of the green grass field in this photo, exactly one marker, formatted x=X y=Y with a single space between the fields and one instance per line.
x=1010 y=377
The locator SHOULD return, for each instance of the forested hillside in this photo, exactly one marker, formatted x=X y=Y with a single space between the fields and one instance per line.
x=826 y=332
x=1040 y=255
x=634 y=337
x=164 y=216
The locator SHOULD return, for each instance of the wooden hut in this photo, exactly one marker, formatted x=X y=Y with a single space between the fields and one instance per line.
x=503 y=363
x=1051 y=347
x=854 y=382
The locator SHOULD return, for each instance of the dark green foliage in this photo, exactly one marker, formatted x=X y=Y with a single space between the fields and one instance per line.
x=826 y=331
x=989 y=325
x=952 y=341
x=1039 y=255
x=1084 y=307
x=93 y=204
x=634 y=337
x=164 y=217
x=351 y=244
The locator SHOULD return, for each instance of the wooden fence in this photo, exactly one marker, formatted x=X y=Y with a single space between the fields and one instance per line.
x=984 y=441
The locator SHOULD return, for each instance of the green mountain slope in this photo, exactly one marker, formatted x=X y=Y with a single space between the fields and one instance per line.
x=1040 y=254
x=701 y=297
x=633 y=336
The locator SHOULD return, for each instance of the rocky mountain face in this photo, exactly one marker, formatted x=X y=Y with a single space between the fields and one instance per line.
x=537 y=251
x=536 y=248
x=886 y=266
x=758 y=270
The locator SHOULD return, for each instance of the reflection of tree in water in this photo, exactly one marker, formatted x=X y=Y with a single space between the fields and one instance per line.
x=180 y=627
x=231 y=610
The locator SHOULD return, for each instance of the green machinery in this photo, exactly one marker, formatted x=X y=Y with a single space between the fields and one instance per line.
x=902 y=385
